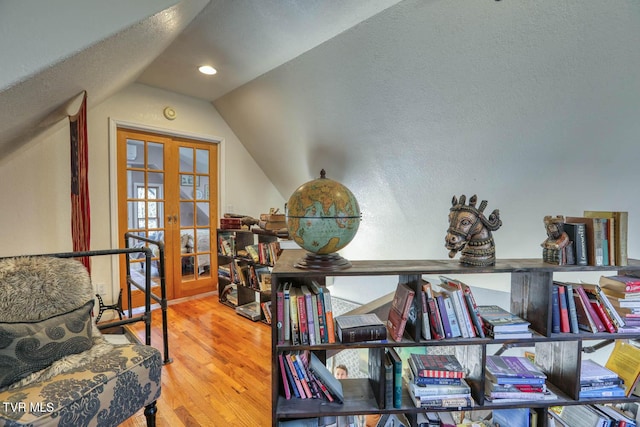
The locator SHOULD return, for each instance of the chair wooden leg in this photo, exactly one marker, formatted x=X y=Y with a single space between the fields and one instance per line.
x=150 y=414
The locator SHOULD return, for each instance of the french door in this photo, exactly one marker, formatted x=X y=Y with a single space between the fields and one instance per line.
x=168 y=192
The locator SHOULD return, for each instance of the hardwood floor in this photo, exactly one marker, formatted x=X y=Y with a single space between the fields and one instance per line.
x=221 y=369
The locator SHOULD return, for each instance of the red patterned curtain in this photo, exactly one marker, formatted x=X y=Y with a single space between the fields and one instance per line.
x=80 y=212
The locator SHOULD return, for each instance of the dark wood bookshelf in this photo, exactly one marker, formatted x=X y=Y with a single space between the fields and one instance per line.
x=531 y=299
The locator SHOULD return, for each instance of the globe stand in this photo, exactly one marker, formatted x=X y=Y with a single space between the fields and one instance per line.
x=328 y=262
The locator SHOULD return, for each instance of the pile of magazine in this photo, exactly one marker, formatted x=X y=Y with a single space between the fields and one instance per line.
x=514 y=379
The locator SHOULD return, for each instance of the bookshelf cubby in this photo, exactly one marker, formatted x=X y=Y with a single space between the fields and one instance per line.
x=531 y=299
x=236 y=254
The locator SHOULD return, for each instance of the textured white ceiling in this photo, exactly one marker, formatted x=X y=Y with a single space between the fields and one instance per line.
x=244 y=39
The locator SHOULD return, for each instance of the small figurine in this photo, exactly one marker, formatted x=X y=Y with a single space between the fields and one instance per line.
x=470 y=232
x=557 y=248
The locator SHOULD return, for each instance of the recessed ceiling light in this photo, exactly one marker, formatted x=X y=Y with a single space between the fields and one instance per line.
x=207 y=69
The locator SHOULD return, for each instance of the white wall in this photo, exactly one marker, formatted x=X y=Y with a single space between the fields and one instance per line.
x=531 y=105
x=36 y=181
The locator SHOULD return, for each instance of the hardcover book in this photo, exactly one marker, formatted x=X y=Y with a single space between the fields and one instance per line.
x=620 y=283
x=437 y=365
x=555 y=310
x=396 y=363
x=619 y=232
x=360 y=327
x=577 y=233
x=595 y=251
x=399 y=311
x=564 y=309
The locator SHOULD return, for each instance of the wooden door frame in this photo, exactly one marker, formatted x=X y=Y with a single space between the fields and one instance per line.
x=114 y=124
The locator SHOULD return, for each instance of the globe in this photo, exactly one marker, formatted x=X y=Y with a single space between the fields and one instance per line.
x=323 y=216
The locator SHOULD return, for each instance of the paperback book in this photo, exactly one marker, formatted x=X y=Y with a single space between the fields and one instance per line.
x=498 y=320
x=513 y=370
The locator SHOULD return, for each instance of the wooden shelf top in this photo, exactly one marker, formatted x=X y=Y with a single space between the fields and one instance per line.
x=288 y=258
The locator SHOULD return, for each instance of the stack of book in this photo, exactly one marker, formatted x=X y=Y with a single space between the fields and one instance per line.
x=304 y=376
x=598 y=381
x=436 y=381
x=624 y=294
x=449 y=310
x=600 y=235
x=589 y=416
x=514 y=379
x=304 y=314
x=501 y=324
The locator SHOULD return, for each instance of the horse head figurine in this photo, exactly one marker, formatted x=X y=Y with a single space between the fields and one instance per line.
x=470 y=232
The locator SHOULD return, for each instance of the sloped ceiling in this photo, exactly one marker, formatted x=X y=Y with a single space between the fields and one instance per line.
x=407 y=102
x=95 y=46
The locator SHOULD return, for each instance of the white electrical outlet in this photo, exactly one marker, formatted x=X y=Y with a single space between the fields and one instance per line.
x=100 y=288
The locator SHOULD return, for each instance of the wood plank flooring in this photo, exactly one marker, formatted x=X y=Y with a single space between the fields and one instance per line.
x=221 y=369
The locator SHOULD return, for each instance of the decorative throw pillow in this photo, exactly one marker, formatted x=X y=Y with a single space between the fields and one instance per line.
x=32 y=346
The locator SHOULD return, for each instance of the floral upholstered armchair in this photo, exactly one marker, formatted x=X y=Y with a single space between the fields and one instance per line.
x=56 y=369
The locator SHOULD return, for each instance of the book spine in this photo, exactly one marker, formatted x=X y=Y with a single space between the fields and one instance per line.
x=476 y=319
x=388 y=382
x=603 y=317
x=286 y=320
x=295 y=323
x=316 y=318
x=590 y=310
x=365 y=333
x=302 y=317
x=296 y=378
x=437 y=330
x=426 y=327
x=564 y=311
x=309 y=308
x=301 y=375
x=466 y=315
x=397 y=381
x=555 y=313
x=454 y=320
x=443 y=315
x=280 y=314
x=285 y=381
x=609 y=308
x=322 y=318
x=573 y=314
x=331 y=332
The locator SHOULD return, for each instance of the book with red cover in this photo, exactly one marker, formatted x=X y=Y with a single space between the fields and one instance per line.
x=564 y=311
x=435 y=321
x=437 y=365
x=285 y=381
x=621 y=283
x=399 y=311
x=303 y=325
x=603 y=316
